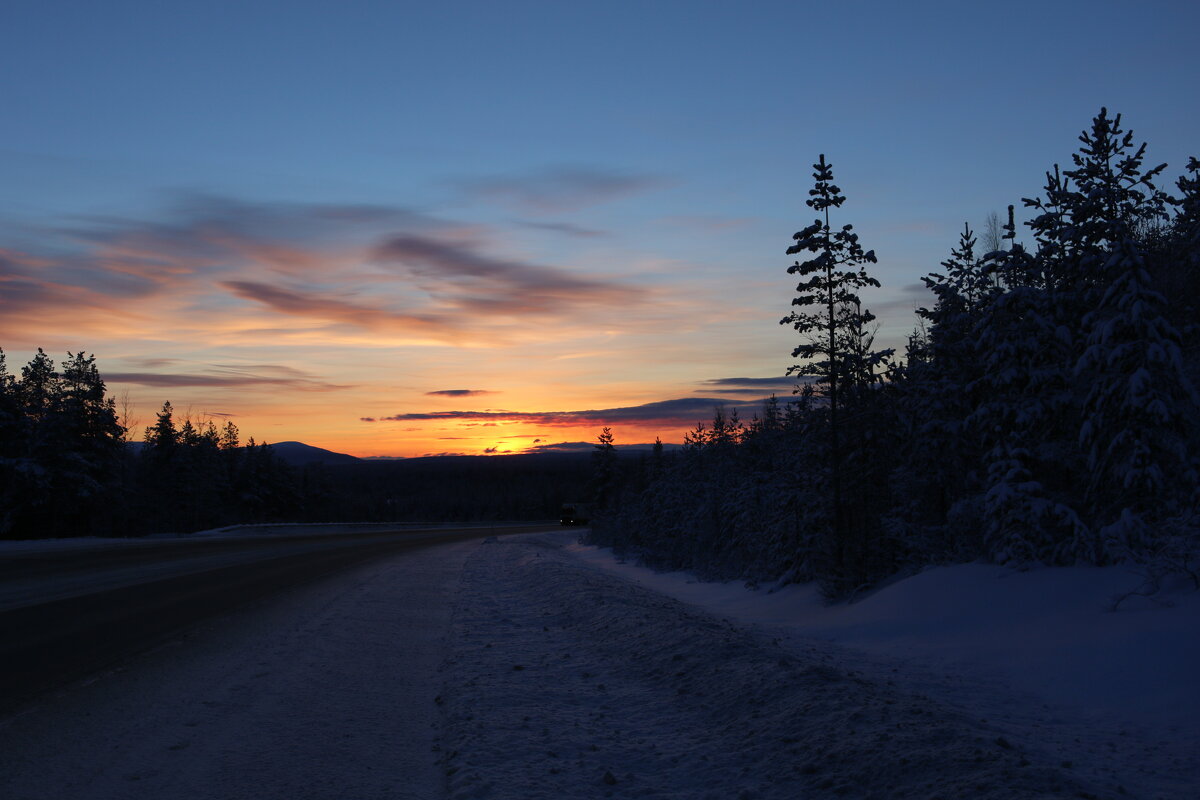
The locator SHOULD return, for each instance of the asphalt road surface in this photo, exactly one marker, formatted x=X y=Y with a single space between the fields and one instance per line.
x=67 y=612
x=251 y=686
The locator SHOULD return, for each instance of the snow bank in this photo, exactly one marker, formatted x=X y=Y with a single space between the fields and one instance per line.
x=567 y=680
x=1049 y=633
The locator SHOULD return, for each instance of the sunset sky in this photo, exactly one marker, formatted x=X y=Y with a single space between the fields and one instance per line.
x=395 y=228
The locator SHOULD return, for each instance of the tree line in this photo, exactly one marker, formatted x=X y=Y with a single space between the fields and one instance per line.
x=1043 y=412
x=69 y=467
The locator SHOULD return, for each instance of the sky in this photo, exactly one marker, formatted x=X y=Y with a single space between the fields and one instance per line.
x=401 y=228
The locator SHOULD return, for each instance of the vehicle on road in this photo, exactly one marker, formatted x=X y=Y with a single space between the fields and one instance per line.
x=575 y=514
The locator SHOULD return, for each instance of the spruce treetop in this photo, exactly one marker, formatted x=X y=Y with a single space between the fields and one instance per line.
x=1089 y=209
x=830 y=280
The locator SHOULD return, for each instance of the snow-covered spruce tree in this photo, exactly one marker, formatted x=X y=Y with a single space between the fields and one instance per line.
x=1175 y=267
x=829 y=315
x=38 y=386
x=59 y=448
x=1138 y=401
x=1111 y=197
x=804 y=517
x=89 y=449
x=706 y=457
x=1187 y=221
x=1051 y=379
x=938 y=465
x=604 y=468
x=732 y=503
x=11 y=427
x=1029 y=338
x=162 y=436
x=1025 y=418
x=657 y=462
x=37 y=393
x=90 y=415
x=739 y=498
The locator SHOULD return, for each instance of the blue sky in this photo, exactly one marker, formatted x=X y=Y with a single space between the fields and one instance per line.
x=564 y=205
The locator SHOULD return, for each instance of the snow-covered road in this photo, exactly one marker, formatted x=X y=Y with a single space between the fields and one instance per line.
x=528 y=667
x=323 y=692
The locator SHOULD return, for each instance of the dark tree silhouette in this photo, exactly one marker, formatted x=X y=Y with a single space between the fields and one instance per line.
x=837 y=350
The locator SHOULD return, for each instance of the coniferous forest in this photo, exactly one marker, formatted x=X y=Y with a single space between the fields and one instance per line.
x=1044 y=410
x=70 y=467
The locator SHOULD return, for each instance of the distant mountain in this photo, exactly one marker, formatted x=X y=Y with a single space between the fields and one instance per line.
x=298 y=454
x=295 y=453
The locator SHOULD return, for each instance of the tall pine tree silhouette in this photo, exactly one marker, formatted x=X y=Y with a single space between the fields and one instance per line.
x=829 y=314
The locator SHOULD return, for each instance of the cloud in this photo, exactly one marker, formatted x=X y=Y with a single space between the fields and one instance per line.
x=460 y=392
x=561 y=188
x=339 y=269
x=196 y=235
x=750 y=382
x=563 y=447
x=461 y=276
x=33 y=287
x=207 y=223
x=228 y=376
x=317 y=305
x=753 y=387
x=151 y=362
x=747 y=392
x=686 y=411
x=565 y=228
x=366 y=419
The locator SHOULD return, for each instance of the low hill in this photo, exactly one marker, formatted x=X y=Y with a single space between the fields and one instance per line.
x=298 y=454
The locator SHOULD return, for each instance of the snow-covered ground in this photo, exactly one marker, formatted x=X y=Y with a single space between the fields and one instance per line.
x=574 y=675
x=1049 y=633
x=530 y=666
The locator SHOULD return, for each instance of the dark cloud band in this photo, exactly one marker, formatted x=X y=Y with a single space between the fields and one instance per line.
x=459 y=392
x=686 y=410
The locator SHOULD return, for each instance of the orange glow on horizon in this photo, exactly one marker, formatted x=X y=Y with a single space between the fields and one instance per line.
x=379 y=438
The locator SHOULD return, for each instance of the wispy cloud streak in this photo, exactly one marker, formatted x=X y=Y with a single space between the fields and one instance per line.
x=465 y=277
x=342 y=268
x=565 y=228
x=686 y=411
x=229 y=377
x=459 y=392
x=751 y=382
